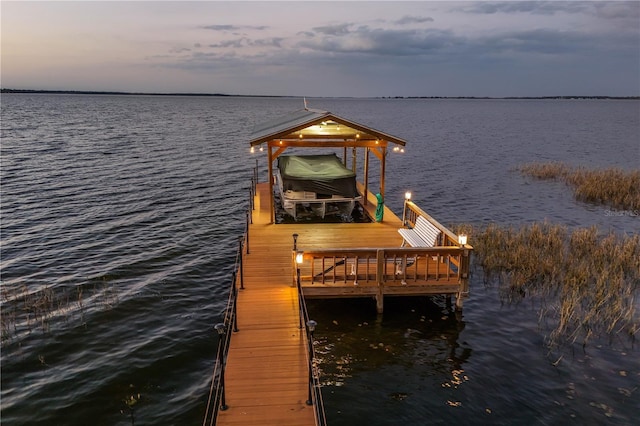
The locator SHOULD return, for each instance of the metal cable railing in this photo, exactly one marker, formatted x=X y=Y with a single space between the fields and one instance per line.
x=216 y=400
x=314 y=397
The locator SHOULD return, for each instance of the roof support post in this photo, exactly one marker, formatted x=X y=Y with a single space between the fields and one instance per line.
x=272 y=212
x=383 y=158
x=366 y=176
x=354 y=153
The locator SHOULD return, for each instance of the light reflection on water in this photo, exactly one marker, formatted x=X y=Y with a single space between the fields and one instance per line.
x=126 y=212
x=419 y=361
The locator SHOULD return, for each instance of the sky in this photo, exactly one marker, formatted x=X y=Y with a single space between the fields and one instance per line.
x=324 y=48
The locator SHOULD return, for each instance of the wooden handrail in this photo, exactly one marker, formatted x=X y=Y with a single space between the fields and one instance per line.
x=380 y=265
x=413 y=211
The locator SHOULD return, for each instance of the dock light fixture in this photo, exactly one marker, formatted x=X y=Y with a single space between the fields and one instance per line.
x=407 y=197
x=219 y=328
x=312 y=326
x=297 y=259
x=261 y=148
x=462 y=239
x=253 y=150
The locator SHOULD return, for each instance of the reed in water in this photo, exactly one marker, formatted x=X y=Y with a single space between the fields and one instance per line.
x=26 y=311
x=612 y=186
x=587 y=281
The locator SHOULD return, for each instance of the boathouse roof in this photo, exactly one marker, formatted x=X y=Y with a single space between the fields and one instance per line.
x=318 y=125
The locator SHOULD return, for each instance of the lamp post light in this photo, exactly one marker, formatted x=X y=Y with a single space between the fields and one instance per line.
x=407 y=198
x=311 y=326
x=220 y=328
x=241 y=267
x=299 y=258
x=462 y=240
x=294 y=259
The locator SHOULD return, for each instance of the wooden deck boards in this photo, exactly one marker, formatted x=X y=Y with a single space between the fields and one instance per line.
x=267 y=367
x=266 y=375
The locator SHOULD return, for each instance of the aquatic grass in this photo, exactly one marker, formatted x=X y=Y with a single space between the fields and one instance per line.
x=586 y=281
x=614 y=187
x=26 y=310
x=549 y=170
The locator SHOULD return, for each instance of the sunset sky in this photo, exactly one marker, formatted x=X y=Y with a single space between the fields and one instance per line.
x=324 y=48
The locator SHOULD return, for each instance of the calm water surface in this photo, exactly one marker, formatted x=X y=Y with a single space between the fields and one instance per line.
x=121 y=215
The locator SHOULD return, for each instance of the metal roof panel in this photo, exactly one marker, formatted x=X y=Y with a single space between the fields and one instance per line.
x=263 y=131
x=304 y=118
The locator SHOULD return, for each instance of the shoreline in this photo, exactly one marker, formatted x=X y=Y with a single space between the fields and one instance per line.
x=98 y=92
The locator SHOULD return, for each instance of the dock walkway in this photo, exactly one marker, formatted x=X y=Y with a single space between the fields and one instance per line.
x=266 y=376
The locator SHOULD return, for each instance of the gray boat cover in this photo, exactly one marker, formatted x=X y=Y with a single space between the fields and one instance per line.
x=323 y=174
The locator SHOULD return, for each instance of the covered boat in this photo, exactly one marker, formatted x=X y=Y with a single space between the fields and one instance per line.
x=316 y=184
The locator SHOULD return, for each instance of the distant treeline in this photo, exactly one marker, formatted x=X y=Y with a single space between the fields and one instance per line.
x=515 y=97
x=95 y=92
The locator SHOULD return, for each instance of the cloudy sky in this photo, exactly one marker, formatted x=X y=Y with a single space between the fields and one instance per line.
x=325 y=48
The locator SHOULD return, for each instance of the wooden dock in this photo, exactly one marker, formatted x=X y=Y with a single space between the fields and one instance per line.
x=267 y=366
x=265 y=374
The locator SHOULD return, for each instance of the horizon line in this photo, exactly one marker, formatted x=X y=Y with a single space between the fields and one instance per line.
x=110 y=92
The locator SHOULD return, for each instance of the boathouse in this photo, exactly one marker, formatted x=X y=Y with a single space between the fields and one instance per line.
x=265 y=371
x=312 y=128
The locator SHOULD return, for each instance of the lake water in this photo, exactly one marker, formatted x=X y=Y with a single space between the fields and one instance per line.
x=120 y=220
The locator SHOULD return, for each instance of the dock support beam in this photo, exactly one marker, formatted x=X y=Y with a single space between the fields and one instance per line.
x=459 y=302
x=464 y=277
x=380 y=301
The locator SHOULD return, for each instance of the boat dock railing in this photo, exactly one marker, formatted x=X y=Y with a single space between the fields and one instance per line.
x=225 y=329
x=385 y=266
x=410 y=215
x=252 y=206
x=315 y=394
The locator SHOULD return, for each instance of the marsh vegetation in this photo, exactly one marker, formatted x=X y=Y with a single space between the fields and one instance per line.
x=613 y=187
x=585 y=282
x=25 y=310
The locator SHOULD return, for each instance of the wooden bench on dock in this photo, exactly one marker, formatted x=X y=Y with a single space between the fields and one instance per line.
x=423 y=234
